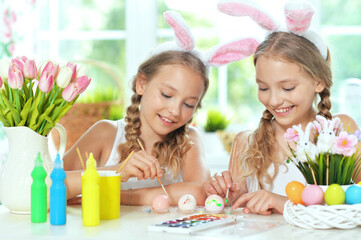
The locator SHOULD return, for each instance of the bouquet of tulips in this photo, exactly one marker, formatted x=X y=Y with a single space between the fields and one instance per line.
x=38 y=97
x=330 y=156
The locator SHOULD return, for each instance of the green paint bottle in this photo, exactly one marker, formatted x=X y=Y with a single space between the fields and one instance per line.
x=38 y=192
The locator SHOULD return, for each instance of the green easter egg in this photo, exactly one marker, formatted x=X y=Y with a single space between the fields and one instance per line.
x=335 y=195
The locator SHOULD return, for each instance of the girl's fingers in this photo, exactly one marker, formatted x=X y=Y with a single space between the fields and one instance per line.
x=155 y=167
x=148 y=164
x=242 y=199
x=209 y=189
x=227 y=178
x=215 y=181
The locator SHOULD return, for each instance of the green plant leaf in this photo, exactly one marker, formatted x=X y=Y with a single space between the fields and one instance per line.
x=25 y=112
x=216 y=121
x=14 y=112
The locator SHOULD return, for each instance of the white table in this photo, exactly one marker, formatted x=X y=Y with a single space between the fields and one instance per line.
x=133 y=224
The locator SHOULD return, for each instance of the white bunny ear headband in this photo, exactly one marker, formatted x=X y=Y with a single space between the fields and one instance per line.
x=298 y=15
x=220 y=54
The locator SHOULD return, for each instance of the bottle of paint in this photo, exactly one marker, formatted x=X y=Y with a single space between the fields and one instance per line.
x=90 y=193
x=38 y=192
x=58 y=193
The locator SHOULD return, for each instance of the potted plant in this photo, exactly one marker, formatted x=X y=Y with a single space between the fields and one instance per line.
x=216 y=123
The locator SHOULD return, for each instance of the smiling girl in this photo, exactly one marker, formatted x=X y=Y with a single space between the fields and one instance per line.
x=168 y=89
x=291 y=74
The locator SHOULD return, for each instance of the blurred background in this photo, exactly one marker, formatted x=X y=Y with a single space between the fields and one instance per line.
x=112 y=37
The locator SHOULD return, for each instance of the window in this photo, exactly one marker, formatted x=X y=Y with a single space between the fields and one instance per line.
x=121 y=33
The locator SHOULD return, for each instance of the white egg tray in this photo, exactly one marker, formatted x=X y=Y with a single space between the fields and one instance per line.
x=341 y=216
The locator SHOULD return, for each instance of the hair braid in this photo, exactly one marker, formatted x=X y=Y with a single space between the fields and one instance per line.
x=132 y=128
x=324 y=105
x=261 y=154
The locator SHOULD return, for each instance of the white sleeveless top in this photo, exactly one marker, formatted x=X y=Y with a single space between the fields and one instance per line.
x=283 y=177
x=134 y=183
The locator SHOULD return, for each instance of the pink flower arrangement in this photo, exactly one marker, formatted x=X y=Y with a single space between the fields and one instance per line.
x=328 y=154
x=37 y=97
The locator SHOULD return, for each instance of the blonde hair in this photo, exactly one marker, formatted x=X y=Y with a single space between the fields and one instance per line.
x=170 y=150
x=261 y=152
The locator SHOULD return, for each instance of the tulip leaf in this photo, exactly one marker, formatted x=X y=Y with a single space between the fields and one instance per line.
x=26 y=109
x=5 y=122
x=48 y=126
x=13 y=111
x=9 y=117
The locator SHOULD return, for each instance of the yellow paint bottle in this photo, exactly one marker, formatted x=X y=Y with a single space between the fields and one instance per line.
x=90 y=193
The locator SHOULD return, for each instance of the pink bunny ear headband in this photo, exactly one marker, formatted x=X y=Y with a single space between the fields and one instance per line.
x=220 y=54
x=298 y=15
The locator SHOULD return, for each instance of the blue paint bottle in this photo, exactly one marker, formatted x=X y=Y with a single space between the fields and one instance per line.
x=58 y=194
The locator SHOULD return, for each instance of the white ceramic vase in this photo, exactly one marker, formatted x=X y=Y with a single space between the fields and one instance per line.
x=15 y=181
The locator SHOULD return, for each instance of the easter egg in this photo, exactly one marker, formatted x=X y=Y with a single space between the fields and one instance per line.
x=187 y=203
x=353 y=194
x=214 y=204
x=294 y=191
x=161 y=203
x=334 y=194
x=312 y=195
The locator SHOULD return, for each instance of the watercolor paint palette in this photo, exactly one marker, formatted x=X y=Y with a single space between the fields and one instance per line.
x=193 y=223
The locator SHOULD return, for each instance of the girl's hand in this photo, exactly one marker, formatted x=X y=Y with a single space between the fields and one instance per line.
x=261 y=202
x=141 y=165
x=219 y=184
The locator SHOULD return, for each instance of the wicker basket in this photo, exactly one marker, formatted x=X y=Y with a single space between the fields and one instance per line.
x=79 y=119
x=323 y=217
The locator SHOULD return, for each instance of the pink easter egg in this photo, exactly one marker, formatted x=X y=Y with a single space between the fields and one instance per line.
x=214 y=204
x=312 y=195
x=161 y=203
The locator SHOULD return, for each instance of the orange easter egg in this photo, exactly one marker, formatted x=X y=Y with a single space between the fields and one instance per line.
x=294 y=191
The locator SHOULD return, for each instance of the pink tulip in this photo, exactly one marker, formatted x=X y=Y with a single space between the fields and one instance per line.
x=75 y=88
x=16 y=79
x=51 y=68
x=70 y=92
x=46 y=82
x=82 y=83
x=345 y=144
x=73 y=69
x=30 y=70
x=18 y=63
x=1 y=82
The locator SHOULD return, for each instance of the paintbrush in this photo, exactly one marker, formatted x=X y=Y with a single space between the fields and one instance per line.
x=226 y=200
x=160 y=182
x=230 y=166
x=81 y=159
x=124 y=162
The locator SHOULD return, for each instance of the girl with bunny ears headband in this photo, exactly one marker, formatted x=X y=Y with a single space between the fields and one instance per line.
x=291 y=71
x=168 y=89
